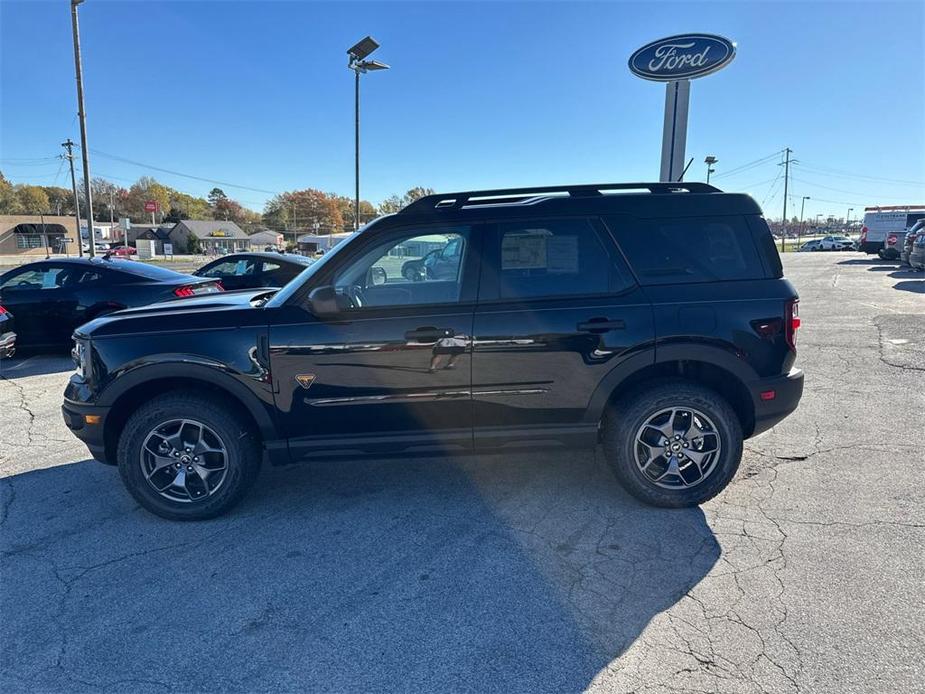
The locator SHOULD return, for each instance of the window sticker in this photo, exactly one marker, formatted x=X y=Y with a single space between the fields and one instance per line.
x=524 y=250
x=562 y=255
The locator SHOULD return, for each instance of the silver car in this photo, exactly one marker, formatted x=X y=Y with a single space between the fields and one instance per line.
x=917 y=256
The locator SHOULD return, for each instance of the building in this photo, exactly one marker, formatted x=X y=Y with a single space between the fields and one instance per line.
x=262 y=239
x=215 y=236
x=35 y=235
x=309 y=244
x=160 y=233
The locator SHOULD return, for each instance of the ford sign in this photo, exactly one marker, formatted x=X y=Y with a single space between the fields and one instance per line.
x=682 y=57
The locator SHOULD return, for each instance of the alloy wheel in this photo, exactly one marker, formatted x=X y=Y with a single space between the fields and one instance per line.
x=677 y=448
x=184 y=460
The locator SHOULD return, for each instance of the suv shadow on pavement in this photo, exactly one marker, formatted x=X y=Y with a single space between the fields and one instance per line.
x=517 y=573
x=916 y=286
x=23 y=365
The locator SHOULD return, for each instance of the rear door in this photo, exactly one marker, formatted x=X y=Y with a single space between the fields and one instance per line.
x=44 y=308
x=558 y=310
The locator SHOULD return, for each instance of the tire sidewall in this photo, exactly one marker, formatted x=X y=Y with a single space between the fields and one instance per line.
x=243 y=463
x=626 y=417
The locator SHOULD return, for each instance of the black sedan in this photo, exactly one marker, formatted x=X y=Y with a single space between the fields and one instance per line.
x=254 y=270
x=52 y=297
x=7 y=334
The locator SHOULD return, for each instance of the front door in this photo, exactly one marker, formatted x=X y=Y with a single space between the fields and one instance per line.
x=391 y=371
x=558 y=310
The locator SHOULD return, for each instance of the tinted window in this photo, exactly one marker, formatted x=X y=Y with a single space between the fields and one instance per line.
x=549 y=258
x=235 y=267
x=701 y=249
x=37 y=278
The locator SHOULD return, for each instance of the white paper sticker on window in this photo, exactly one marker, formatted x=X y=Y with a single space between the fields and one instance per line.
x=562 y=255
x=524 y=250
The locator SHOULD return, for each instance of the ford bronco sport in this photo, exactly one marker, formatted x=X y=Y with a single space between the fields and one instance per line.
x=651 y=318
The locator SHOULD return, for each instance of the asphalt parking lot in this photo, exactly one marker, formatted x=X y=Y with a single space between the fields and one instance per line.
x=526 y=573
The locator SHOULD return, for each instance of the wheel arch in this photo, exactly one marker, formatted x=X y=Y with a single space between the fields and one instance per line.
x=708 y=366
x=141 y=385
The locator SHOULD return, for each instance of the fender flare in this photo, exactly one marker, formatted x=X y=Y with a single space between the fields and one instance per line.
x=722 y=357
x=194 y=368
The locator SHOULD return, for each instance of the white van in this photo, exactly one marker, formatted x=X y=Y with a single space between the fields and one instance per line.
x=879 y=222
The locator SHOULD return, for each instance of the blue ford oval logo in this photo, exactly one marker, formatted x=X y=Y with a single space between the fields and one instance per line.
x=682 y=57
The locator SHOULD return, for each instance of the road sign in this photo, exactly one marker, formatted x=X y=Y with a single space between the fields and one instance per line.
x=151 y=206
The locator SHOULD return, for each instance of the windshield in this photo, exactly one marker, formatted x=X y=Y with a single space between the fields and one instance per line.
x=283 y=295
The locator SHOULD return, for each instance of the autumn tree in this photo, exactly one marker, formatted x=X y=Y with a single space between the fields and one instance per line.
x=309 y=210
x=9 y=203
x=32 y=199
x=394 y=203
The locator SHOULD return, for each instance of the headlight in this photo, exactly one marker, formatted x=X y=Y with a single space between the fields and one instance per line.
x=81 y=356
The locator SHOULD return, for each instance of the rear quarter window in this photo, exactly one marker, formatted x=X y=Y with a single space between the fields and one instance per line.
x=689 y=250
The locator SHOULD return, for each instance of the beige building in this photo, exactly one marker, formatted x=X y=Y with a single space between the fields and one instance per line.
x=25 y=234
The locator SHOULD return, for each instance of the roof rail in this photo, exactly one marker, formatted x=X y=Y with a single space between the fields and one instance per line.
x=455 y=201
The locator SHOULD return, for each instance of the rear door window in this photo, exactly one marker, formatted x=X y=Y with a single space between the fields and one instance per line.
x=689 y=250
x=551 y=258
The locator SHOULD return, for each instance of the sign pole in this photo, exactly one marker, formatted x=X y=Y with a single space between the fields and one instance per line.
x=674 y=131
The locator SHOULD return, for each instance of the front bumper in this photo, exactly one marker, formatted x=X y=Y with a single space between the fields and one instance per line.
x=90 y=432
x=787 y=393
x=7 y=345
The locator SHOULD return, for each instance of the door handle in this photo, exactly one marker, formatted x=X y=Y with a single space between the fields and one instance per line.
x=429 y=334
x=600 y=325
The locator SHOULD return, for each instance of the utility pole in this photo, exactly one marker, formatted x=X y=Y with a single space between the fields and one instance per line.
x=84 y=151
x=70 y=157
x=783 y=228
x=356 y=161
x=112 y=221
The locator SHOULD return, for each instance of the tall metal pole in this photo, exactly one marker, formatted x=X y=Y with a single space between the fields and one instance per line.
x=70 y=157
x=356 y=207
x=800 y=231
x=847 y=221
x=674 y=132
x=85 y=154
x=783 y=228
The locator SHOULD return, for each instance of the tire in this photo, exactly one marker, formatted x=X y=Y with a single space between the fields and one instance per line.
x=625 y=419
x=219 y=428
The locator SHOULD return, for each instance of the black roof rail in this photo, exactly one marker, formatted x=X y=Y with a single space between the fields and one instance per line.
x=456 y=201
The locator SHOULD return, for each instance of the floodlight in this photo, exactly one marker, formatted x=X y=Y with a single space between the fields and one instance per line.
x=363 y=48
x=373 y=65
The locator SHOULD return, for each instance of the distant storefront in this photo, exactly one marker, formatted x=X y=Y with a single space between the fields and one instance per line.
x=33 y=235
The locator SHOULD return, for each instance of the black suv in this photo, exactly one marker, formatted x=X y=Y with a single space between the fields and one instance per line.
x=652 y=318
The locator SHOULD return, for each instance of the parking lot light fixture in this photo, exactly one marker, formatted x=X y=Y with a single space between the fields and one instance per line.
x=710 y=161
x=357 y=62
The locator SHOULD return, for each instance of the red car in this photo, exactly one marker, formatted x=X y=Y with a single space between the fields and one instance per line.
x=123 y=251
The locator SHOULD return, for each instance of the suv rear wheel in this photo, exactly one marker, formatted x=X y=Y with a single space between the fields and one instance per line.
x=673 y=444
x=186 y=457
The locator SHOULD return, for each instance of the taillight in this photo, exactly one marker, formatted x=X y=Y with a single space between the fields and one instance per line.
x=197 y=289
x=891 y=239
x=863 y=234
x=3 y=310
x=793 y=322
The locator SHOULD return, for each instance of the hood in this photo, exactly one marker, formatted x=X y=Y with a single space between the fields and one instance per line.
x=179 y=311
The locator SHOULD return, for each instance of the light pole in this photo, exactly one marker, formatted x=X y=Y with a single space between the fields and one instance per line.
x=710 y=161
x=847 y=220
x=83 y=129
x=802 y=207
x=357 y=62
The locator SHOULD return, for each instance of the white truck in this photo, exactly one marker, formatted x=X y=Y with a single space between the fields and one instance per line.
x=882 y=222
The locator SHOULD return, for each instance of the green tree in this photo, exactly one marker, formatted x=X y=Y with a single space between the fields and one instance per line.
x=394 y=203
x=32 y=199
x=60 y=200
x=193 y=245
x=9 y=202
x=306 y=210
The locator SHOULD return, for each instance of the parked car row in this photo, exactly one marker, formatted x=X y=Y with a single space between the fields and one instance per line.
x=51 y=298
x=912 y=252
x=829 y=243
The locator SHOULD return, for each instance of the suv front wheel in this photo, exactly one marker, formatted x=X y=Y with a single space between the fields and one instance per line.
x=186 y=457
x=673 y=444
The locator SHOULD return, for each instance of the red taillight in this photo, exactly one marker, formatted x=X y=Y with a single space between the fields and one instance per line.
x=218 y=283
x=891 y=239
x=184 y=291
x=197 y=289
x=863 y=234
x=3 y=310
x=793 y=322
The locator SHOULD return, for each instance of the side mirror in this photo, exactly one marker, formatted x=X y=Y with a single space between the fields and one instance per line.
x=322 y=301
x=377 y=275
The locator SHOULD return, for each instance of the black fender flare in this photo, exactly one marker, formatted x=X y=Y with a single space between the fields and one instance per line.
x=195 y=369
x=722 y=357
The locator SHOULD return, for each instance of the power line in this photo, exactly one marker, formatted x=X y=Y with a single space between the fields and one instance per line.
x=749 y=165
x=849 y=192
x=179 y=173
x=845 y=174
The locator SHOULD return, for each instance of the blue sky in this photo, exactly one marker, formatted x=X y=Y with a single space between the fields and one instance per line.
x=480 y=95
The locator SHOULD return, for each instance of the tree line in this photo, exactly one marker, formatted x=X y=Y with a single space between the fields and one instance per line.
x=307 y=210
